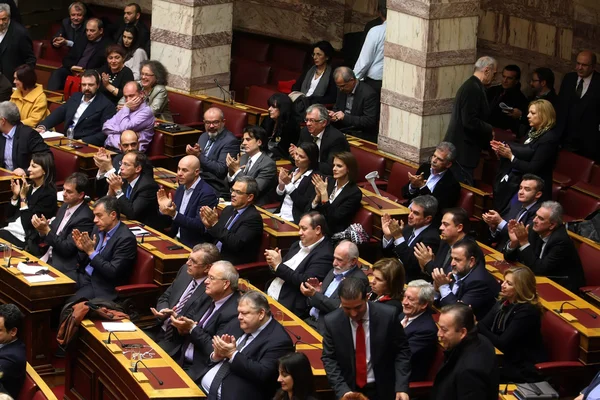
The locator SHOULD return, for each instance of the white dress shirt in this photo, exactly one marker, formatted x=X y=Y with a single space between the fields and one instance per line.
x=131 y=184
x=313 y=84
x=2 y=34
x=66 y=218
x=354 y=326
x=16 y=227
x=370 y=60
x=81 y=109
x=288 y=204
x=417 y=231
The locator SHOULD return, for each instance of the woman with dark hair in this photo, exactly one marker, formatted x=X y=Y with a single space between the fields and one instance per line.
x=295 y=188
x=134 y=55
x=29 y=96
x=387 y=285
x=296 y=378
x=114 y=74
x=338 y=199
x=281 y=126
x=154 y=80
x=29 y=199
x=317 y=83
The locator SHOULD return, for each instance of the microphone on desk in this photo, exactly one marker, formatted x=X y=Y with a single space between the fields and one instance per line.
x=225 y=92
x=107 y=341
x=299 y=339
x=135 y=369
x=560 y=310
x=372 y=202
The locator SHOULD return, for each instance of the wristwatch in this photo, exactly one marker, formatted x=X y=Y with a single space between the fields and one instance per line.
x=118 y=193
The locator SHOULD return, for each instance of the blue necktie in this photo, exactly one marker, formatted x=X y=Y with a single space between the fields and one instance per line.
x=128 y=191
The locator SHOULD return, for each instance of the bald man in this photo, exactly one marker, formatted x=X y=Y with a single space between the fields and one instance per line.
x=184 y=210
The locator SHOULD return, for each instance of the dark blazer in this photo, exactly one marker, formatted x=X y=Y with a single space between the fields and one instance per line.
x=117 y=160
x=142 y=204
x=341 y=212
x=446 y=191
x=469 y=372
x=97 y=59
x=123 y=76
x=89 y=125
x=430 y=236
x=422 y=339
x=16 y=49
x=288 y=133
x=333 y=142
x=12 y=368
x=25 y=142
x=68 y=32
x=390 y=352
x=5 y=88
x=240 y=244
x=365 y=109
x=188 y=224
x=512 y=97
x=264 y=171
x=560 y=261
x=302 y=197
x=469 y=130
x=595 y=382
x=143 y=35
x=172 y=295
x=439 y=260
x=214 y=166
x=316 y=265
x=15 y=14
x=512 y=212
x=330 y=94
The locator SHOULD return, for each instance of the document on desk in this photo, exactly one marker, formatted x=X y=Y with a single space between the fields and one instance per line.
x=119 y=326
x=30 y=269
x=51 y=135
x=139 y=231
x=39 y=278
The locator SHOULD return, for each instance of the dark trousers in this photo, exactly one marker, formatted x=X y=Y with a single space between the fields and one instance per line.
x=58 y=78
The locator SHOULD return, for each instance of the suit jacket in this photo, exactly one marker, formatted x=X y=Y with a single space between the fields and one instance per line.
x=440 y=260
x=340 y=213
x=16 y=49
x=560 y=260
x=422 y=339
x=25 y=142
x=512 y=212
x=469 y=372
x=512 y=97
x=142 y=204
x=5 y=88
x=469 y=130
x=68 y=32
x=390 y=352
x=430 y=236
x=97 y=59
x=365 y=109
x=446 y=191
x=188 y=224
x=89 y=125
x=240 y=244
x=214 y=166
x=595 y=382
x=12 y=368
x=302 y=197
x=316 y=265
x=333 y=142
x=117 y=160
x=264 y=171
x=288 y=133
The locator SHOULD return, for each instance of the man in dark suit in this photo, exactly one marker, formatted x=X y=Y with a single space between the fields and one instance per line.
x=322 y=297
x=16 y=47
x=254 y=163
x=131 y=17
x=61 y=251
x=72 y=29
x=237 y=232
x=507 y=93
x=191 y=195
x=469 y=130
x=5 y=88
x=107 y=257
x=13 y=360
x=15 y=14
x=546 y=247
x=468 y=282
x=578 y=118
x=86 y=112
x=17 y=141
x=542 y=84
x=212 y=148
x=244 y=359
x=328 y=138
x=401 y=241
x=419 y=327
x=590 y=390
x=310 y=257
x=470 y=368
x=376 y=365
x=435 y=178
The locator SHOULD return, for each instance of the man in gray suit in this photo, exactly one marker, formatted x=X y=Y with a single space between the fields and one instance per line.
x=254 y=163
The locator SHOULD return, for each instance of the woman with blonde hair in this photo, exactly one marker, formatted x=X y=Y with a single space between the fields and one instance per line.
x=387 y=285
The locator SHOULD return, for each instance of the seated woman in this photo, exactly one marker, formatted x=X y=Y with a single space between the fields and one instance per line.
x=29 y=96
x=281 y=126
x=29 y=199
x=134 y=53
x=296 y=378
x=338 y=199
x=114 y=73
x=317 y=83
x=154 y=80
x=387 y=285
x=295 y=188
x=514 y=326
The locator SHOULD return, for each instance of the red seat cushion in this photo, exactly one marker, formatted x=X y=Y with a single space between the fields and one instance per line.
x=398 y=178
x=38 y=48
x=288 y=56
x=247 y=73
x=561 y=340
x=577 y=205
x=156 y=151
x=251 y=48
x=258 y=96
x=51 y=107
x=66 y=164
x=28 y=390
x=571 y=168
x=235 y=120
x=188 y=107
x=279 y=74
x=367 y=163
x=467 y=201
x=589 y=256
x=51 y=55
x=595 y=176
x=143 y=271
x=364 y=217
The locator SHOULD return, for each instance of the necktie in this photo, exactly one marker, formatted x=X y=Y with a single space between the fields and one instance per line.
x=579 y=89
x=405 y=322
x=411 y=238
x=207 y=314
x=248 y=166
x=454 y=286
x=128 y=191
x=447 y=259
x=208 y=146
x=178 y=307
x=522 y=212
x=230 y=222
x=361 y=355
x=315 y=138
x=223 y=371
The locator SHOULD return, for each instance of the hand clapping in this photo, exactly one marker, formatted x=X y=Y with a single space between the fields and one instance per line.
x=209 y=216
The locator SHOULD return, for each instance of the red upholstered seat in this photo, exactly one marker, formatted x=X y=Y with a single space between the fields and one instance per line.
x=247 y=73
x=422 y=389
x=66 y=164
x=39 y=395
x=503 y=135
x=571 y=168
x=397 y=179
x=251 y=48
x=28 y=390
x=595 y=176
x=188 y=109
x=288 y=56
x=367 y=163
x=52 y=56
x=141 y=280
x=60 y=127
x=258 y=96
x=281 y=74
x=561 y=341
x=589 y=256
x=467 y=201
x=235 y=120
x=38 y=48
x=364 y=217
x=156 y=150
x=577 y=205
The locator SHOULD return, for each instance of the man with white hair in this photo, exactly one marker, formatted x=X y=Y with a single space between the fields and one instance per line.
x=16 y=47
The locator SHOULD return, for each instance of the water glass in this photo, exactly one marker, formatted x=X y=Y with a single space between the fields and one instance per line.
x=7 y=254
x=70 y=136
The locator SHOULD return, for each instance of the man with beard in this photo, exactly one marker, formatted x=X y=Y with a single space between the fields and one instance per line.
x=131 y=17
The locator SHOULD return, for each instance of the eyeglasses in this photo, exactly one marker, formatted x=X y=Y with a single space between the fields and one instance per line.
x=147 y=75
x=212 y=122
x=313 y=121
x=214 y=278
x=238 y=192
x=191 y=260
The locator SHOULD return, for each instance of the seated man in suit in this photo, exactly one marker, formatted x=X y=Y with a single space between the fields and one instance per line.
x=468 y=282
x=212 y=148
x=310 y=257
x=318 y=130
x=244 y=358
x=435 y=178
x=238 y=231
x=254 y=163
x=530 y=191
x=376 y=365
x=13 y=360
x=107 y=257
x=72 y=28
x=85 y=112
x=420 y=229
x=61 y=251
x=136 y=115
x=17 y=141
x=546 y=247
x=419 y=327
x=131 y=17
x=323 y=296
x=222 y=289
x=192 y=194
x=357 y=104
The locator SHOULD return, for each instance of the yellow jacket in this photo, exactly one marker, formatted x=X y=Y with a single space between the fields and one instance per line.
x=33 y=107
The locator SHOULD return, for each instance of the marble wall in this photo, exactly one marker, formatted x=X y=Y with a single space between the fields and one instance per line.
x=146 y=5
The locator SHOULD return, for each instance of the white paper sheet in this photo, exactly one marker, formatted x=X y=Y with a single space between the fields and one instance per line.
x=39 y=278
x=30 y=269
x=119 y=326
x=138 y=231
x=50 y=135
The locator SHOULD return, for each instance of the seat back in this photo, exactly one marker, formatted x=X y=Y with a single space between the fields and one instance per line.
x=561 y=340
x=143 y=271
x=576 y=167
x=28 y=390
x=589 y=256
x=577 y=205
x=282 y=74
x=467 y=201
x=595 y=176
x=189 y=108
x=235 y=120
x=66 y=165
x=364 y=217
x=50 y=55
x=288 y=56
x=436 y=363
x=51 y=108
x=72 y=85
x=38 y=47
x=258 y=96
x=251 y=48
x=398 y=178
x=368 y=162
x=157 y=146
x=247 y=73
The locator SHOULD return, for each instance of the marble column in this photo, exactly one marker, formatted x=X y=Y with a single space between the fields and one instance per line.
x=430 y=49
x=192 y=38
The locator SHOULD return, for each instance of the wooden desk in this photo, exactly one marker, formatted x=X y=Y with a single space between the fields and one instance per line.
x=94 y=371
x=175 y=143
x=255 y=114
x=166 y=178
x=370 y=202
x=5 y=177
x=282 y=233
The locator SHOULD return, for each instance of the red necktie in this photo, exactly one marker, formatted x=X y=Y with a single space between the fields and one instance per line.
x=361 y=356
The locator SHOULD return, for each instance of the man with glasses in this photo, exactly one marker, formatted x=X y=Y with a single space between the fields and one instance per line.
x=237 y=232
x=212 y=148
